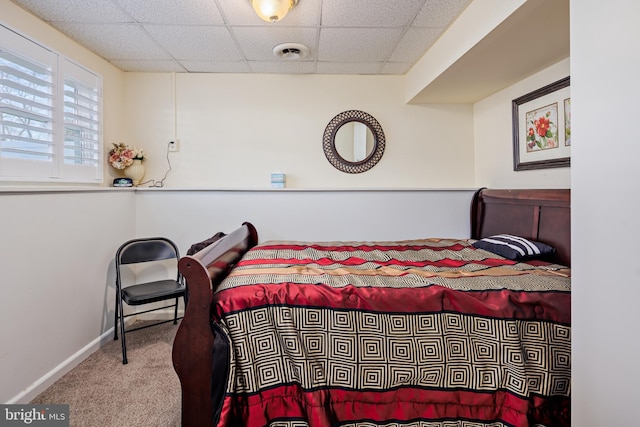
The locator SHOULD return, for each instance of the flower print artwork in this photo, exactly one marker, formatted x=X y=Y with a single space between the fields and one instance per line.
x=567 y=121
x=541 y=132
x=542 y=128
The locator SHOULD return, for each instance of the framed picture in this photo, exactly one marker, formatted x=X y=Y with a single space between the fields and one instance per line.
x=542 y=127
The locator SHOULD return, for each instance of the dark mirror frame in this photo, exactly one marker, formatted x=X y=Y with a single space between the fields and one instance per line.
x=329 y=146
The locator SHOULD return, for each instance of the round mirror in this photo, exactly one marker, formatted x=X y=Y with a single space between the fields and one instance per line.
x=353 y=141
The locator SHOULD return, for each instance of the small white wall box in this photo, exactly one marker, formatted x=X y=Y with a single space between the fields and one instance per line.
x=278 y=180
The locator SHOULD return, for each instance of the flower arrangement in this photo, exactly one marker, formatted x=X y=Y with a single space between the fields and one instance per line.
x=122 y=156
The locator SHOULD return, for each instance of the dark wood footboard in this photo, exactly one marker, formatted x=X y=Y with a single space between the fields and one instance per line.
x=193 y=344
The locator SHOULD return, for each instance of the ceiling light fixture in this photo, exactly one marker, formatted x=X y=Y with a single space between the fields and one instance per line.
x=272 y=10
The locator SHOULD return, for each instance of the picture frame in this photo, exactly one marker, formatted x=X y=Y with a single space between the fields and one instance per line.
x=542 y=127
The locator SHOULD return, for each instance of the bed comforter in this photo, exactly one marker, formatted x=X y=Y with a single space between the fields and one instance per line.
x=431 y=333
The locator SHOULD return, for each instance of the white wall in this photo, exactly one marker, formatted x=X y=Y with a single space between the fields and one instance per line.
x=605 y=66
x=235 y=130
x=57 y=293
x=304 y=215
x=492 y=133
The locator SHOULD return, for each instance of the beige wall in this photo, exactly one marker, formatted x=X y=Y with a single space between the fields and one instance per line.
x=234 y=130
x=493 y=138
x=476 y=21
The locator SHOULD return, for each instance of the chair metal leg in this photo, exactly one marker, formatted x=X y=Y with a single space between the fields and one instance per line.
x=122 y=337
x=115 y=316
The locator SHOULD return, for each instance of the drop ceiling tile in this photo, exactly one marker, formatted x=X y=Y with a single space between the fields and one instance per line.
x=168 y=66
x=287 y=67
x=414 y=44
x=240 y=12
x=114 y=41
x=257 y=43
x=439 y=13
x=357 y=44
x=81 y=11
x=349 y=68
x=222 y=35
x=372 y=13
x=187 y=12
x=196 y=43
x=215 y=67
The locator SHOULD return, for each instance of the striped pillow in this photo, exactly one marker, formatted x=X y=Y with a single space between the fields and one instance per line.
x=514 y=247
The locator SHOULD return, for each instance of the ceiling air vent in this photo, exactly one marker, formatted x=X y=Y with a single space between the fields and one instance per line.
x=291 y=51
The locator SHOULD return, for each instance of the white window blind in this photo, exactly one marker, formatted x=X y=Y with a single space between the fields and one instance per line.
x=82 y=122
x=50 y=115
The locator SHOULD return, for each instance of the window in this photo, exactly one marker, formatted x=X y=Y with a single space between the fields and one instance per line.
x=82 y=135
x=50 y=115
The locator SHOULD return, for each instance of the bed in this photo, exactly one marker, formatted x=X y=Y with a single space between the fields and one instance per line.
x=426 y=332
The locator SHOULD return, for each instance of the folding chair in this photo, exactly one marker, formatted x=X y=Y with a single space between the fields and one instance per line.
x=146 y=250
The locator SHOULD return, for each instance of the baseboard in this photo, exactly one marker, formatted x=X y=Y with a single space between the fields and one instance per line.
x=55 y=374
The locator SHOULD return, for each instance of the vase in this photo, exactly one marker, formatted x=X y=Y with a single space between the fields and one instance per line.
x=135 y=172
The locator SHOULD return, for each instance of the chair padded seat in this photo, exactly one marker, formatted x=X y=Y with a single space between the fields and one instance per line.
x=144 y=293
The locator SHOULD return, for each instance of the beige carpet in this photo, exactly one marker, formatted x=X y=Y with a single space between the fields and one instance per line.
x=101 y=391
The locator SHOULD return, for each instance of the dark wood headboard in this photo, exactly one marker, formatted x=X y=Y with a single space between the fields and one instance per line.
x=541 y=215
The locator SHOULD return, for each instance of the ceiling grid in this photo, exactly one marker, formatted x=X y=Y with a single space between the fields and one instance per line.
x=226 y=36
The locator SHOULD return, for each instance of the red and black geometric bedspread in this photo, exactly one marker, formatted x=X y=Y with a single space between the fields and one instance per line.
x=430 y=333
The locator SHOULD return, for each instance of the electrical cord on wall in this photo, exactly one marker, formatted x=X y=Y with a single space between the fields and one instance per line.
x=160 y=184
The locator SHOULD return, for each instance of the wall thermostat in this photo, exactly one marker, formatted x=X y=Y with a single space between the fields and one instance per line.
x=123 y=182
